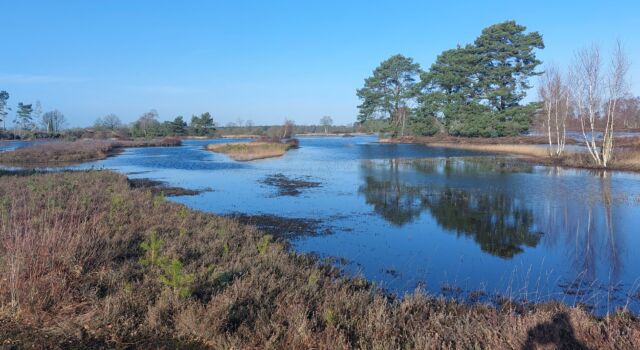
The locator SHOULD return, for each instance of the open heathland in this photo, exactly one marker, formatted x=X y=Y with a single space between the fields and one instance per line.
x=61 y=153
x=89 y=261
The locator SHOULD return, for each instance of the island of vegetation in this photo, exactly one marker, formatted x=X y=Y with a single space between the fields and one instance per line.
x=261 y=148
x=245 y=151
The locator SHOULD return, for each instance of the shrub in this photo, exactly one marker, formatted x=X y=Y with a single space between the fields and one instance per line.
x=175 y=278
x=151 y=247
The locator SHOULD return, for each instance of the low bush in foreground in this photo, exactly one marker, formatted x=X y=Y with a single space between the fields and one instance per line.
x=66 y=152
x=253 y=150
x=89 y=262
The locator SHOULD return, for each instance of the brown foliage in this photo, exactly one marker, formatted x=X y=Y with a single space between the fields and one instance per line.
x=64 y=153
x=70 y=273
x=254 y=150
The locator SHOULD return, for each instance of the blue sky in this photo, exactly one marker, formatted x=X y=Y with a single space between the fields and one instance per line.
x=259 y=61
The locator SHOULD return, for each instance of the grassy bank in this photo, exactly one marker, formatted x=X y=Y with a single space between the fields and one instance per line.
x=65 y=153
x=247 y=151
x=534 y=149
x=88 y=261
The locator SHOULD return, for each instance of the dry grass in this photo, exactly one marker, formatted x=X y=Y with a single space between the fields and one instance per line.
x=65 y=153
x=445 y=139
x=72 y=273
x=251 y=150
x=533 y=149
x=516 y=149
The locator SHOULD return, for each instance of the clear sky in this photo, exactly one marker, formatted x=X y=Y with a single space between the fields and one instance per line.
x=260 y=61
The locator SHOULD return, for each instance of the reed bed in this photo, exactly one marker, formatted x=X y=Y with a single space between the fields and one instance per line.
x=247 y=151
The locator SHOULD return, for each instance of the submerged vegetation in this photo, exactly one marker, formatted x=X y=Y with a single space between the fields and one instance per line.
x=88 y=260
x=64 y=153
x=247 y=151
x=287 y=186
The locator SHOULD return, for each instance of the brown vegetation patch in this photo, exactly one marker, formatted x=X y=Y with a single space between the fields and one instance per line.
x=87 y=261
x=55 y=154
x=279 y=226
x=288 y=186
x=626 y=156
x=160 y=188
x=514 y=149
x=246 y=151
x=446 y=139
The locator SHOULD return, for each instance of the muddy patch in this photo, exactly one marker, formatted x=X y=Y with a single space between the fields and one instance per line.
x=160 y=188
x=282 y=227
x=287 y=186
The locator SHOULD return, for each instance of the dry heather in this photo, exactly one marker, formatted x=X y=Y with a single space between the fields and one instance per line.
x=64 y=153
x=86 y=261
x=247 y=151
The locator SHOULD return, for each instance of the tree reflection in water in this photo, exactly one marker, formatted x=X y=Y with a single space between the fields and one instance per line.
x=585 y=221
x=500 y=224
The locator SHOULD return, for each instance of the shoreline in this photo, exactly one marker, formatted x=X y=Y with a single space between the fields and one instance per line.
x=533 y=149
x=243 y=280
x=65 y=153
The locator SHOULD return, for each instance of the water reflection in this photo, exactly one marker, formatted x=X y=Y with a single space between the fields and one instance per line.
x=586 y=225
x=499 y=223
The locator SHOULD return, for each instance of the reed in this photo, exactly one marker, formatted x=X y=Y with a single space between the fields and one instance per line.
x=247 y=151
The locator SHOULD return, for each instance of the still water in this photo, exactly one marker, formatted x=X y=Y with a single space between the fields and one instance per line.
x=455 y=223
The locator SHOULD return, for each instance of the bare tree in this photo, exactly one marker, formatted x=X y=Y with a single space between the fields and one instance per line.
x=556 y=98
x=593 y=89
x=108 y=122
x=287 y=128
x=326 y=121
x=52 y=121
x=629 y=111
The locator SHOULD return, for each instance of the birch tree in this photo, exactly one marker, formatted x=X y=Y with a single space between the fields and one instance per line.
x=556 y=105
x=326 y=122
x=597 y=98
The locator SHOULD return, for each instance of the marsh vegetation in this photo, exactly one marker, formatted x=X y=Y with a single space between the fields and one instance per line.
x=88 y=260
x=254 y=150
x=61 y=153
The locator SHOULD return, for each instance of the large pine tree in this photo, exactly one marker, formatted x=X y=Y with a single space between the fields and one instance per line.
x=477 y=90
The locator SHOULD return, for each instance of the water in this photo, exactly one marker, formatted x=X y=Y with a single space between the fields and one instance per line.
x=456 y=223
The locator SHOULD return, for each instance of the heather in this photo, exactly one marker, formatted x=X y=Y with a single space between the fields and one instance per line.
x=70 y=152
x=89 y=261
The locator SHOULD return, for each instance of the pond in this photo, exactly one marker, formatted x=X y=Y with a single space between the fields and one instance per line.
x=464 y=225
